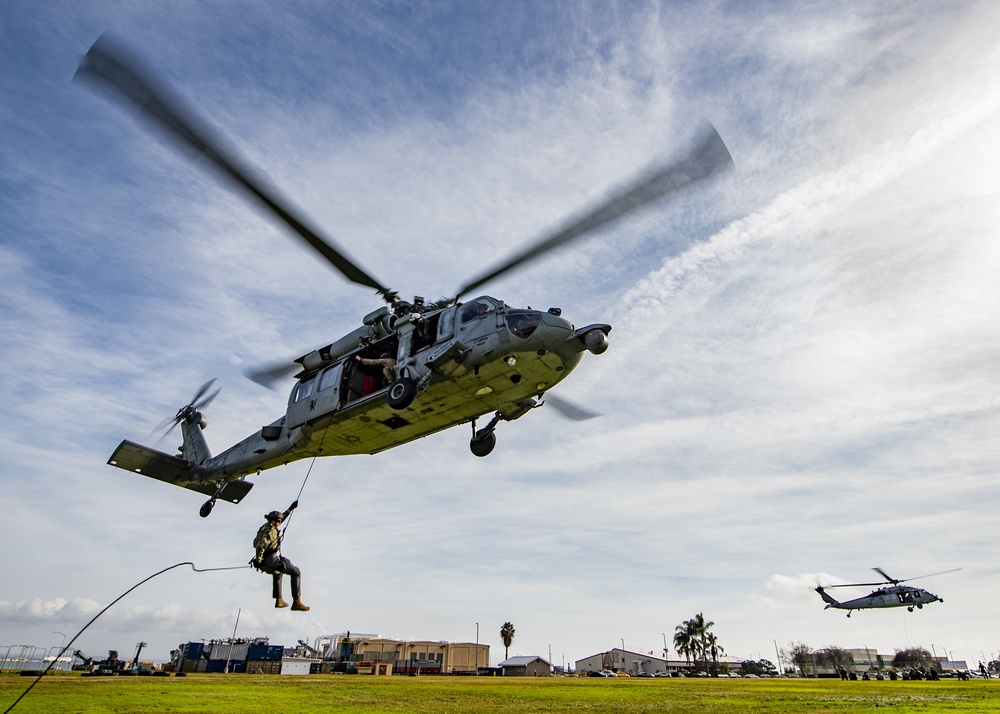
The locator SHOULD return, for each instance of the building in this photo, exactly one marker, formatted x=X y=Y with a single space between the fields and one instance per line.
x=407 y=657
x=644 y=663
x=361 y=654
x=619 y=660
x=526 y=667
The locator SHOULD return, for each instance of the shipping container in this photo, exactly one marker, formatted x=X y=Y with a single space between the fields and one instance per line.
x=263 y=666
x=230 y=650
x=265 y=652
x=296 y=665
x=193 y=650
x=406 y=666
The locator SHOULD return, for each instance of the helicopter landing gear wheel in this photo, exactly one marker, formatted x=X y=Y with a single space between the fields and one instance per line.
x=920 y=606
x=848 y=614
x=909 y=609
x=206 y=508
x=482 y=443
x=401 y=393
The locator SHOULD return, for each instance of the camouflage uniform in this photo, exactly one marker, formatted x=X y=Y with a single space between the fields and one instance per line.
x=266 y=545
x=386 y=363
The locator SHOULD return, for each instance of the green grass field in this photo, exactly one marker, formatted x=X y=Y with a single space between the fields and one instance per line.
x=344 y=693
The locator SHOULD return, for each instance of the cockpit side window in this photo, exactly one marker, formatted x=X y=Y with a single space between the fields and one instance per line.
x=477 y=308
x=446 y=325
x=303 y=390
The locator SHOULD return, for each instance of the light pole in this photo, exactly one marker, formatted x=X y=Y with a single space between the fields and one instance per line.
x=777 y=656
x=229 y=655
x=665 y=650
x=477 y=649
x=61 y=645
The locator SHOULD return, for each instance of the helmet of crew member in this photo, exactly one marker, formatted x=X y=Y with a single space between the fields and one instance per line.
x=274 y=516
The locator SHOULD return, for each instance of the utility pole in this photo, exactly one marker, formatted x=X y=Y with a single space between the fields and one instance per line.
x=230 y=653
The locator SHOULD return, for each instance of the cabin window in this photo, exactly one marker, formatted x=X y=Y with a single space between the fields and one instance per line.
x=303 y=390
x=329 y=377
x=476 y=308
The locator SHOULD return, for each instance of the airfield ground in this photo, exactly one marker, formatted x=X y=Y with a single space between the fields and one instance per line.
x=224 y=694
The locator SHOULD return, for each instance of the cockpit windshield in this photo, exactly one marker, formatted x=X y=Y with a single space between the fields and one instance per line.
x=477 y=308
x=522 y=323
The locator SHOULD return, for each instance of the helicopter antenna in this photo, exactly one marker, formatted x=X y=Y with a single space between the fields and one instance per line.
x=108 y=65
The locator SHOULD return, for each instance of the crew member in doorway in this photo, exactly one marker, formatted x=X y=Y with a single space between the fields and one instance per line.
x=268 y=559
x=387 y=363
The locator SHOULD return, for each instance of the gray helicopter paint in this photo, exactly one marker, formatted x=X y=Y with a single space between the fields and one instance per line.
x=464 y=378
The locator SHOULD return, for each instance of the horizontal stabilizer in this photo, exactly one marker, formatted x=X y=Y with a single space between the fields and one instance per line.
x=140 y=459
x=149 y=462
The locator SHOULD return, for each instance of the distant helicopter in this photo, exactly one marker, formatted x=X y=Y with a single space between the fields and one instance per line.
x=442 y=363
x=896 y=595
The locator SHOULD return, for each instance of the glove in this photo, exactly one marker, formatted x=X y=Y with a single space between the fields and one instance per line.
x=295 y=504
x=254 y=563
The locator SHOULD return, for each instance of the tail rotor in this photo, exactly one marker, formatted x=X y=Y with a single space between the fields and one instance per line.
x=201 y=399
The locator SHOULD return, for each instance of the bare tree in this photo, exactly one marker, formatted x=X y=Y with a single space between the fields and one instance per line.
x=799 y=654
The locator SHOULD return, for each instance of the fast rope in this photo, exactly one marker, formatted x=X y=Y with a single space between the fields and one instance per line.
x=302 y=488
x=70 y=643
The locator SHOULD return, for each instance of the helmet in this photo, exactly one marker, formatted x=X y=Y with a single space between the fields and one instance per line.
x=274 y=516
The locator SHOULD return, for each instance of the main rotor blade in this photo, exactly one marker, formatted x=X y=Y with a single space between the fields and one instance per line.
x=110 y=66
x=943 y=572
x=708 y=157
x=569 y=409
x=855 y=585
x=886 y=576
x=269 y=375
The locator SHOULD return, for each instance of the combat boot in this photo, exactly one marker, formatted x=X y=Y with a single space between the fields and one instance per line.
x=297 y=605
x=278 y=602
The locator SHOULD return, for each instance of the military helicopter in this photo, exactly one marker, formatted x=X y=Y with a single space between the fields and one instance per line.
x=897 y=595
x=412 y=368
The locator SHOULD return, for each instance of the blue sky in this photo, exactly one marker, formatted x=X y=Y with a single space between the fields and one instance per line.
x=802 y=377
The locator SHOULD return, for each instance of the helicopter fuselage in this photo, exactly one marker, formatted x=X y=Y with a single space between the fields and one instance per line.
x=893 y=596
x=459 y=363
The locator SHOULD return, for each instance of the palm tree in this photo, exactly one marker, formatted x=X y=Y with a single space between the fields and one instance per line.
x=693 y=639
x=507 y=635
x=683 y=642
x=714 y=648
